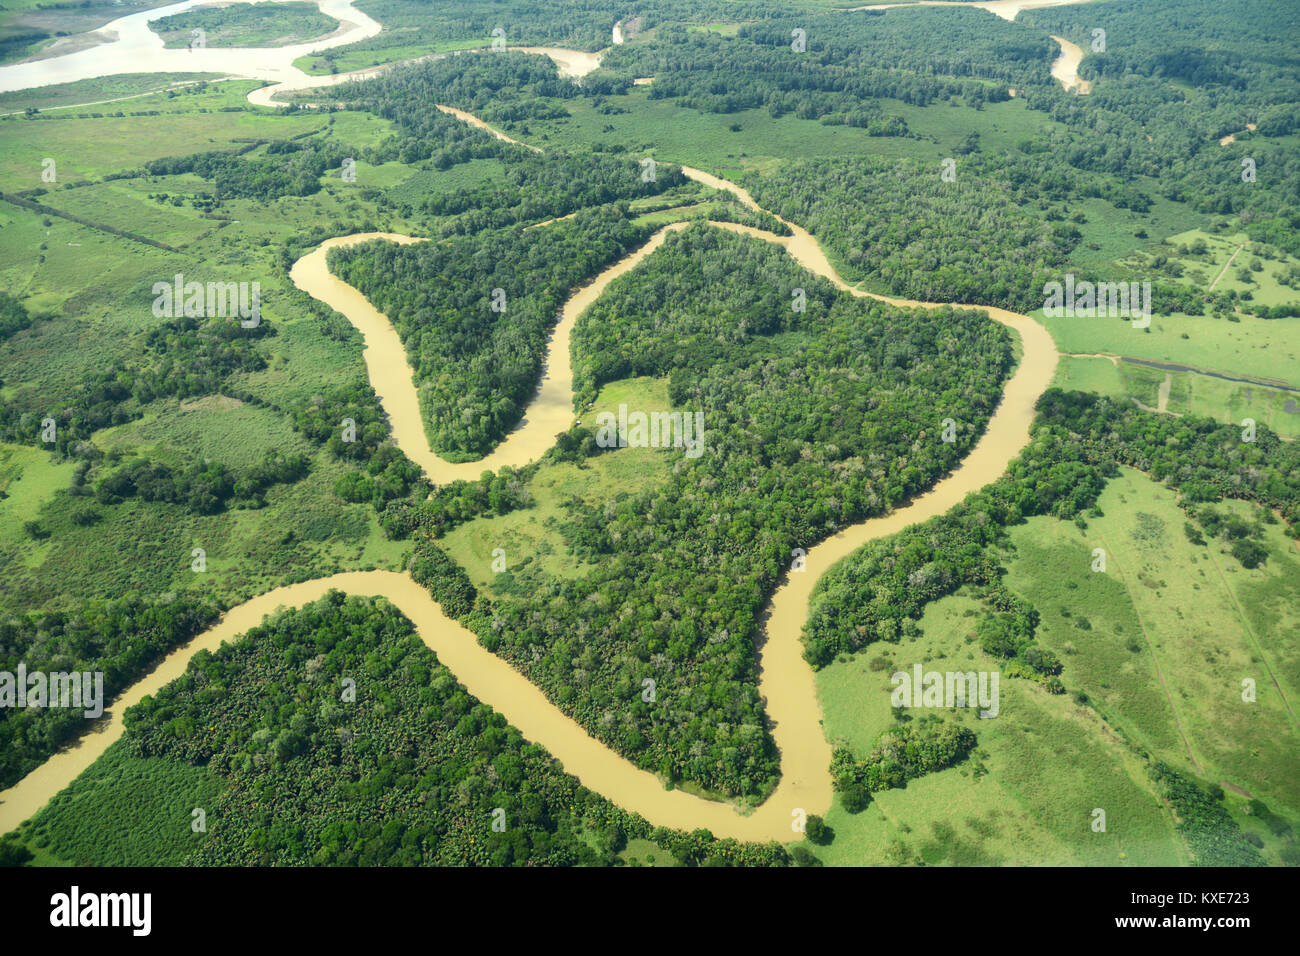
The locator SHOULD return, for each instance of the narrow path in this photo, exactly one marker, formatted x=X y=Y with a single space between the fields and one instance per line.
x=116 y=99
x=1226 y=266
x=1162 y=394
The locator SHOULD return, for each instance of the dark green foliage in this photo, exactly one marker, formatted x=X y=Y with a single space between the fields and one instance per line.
x=13 y=317
x=804 y=857
x=817 y=831
x=855 y=797
x=350 y=422
x=461 y=501
x=814 y=421
x=203 y=487
x=445 y=579
x=1276 y=825
x=13 y=853
x=898 y=225
x=288 y=169
x=478 y=368
x=901 y=753
x=345 y=412
x=389 y=475
x=851 y=62
x=1211 y=833
x=547 y=186
x=1144 y=120
x=409 y=773
x=121 y=638
x=191 y=356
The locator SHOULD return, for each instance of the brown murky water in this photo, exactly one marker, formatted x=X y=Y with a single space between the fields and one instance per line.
x=785 y=681
x=1066 y=66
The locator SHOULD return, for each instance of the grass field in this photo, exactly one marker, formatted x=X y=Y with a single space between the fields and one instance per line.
x=90 y=148
x=247 y=25
x=134 y=85
x=1155 y=650
x=1162 y=640
x=533 y=538
x=28 y=479
x=1211 y=268
x=1188 y=392
x=1026 y=795
x=1258 y=348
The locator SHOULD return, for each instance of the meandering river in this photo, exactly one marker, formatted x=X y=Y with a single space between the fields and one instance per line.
x=785 y=681
x=127 y=45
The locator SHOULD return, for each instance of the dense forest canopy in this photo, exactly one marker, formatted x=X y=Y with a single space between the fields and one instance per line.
x=814 y=420
x=816 y=416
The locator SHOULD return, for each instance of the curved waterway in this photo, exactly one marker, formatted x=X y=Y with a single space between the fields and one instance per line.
x=785 y=681
x=127 y=45
x=1064 y=68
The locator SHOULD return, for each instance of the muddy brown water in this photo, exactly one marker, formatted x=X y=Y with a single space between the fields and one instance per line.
x=785 y=681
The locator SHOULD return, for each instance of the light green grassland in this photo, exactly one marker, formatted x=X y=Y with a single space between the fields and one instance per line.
x=645 y=853
x=1162 y=640
x=91 y=148
x=414 y=186
x=1109 y=234
x=65 y=95
x=1260 y=348
x=1024 y=797
x=216 y=427
x=533 y=538
x=1201 y=271
x=247 y=25
x=127 y=201
x=28 y=479
x=1189 y=392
